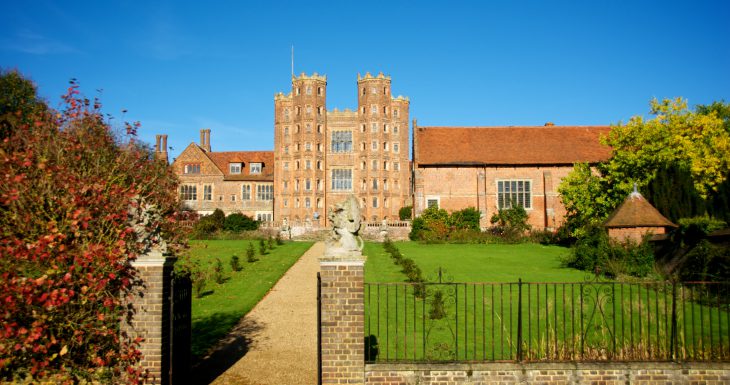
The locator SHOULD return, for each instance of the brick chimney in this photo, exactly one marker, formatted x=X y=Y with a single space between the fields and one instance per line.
x=205 y=139
x=549 y=124
x=161 y=147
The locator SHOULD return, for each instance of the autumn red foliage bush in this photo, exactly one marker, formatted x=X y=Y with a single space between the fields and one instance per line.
x=67 y=185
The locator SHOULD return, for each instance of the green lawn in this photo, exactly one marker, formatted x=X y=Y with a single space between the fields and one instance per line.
x=473 y=263
x=222 y=305
x=456 y=320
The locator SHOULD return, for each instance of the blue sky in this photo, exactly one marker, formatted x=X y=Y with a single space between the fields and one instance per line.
x=181 y=66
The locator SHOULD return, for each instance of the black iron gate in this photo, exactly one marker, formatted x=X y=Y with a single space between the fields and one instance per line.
x=180 y=329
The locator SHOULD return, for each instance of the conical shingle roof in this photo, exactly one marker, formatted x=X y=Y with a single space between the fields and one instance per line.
x=636 y=211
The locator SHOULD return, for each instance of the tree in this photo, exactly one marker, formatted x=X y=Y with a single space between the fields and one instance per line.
x=19 y=102
x=693 y=141
x=405 y=213
x=68 y=193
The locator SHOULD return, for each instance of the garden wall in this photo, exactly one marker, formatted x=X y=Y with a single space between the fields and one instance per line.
x=635 y=373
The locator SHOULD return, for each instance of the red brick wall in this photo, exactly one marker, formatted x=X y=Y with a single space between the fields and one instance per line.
x=457 y=188
x=646 y=373
x=634 y=234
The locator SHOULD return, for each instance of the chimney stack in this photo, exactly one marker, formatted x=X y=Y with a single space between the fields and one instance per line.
x=205 y=139
x=161 y=147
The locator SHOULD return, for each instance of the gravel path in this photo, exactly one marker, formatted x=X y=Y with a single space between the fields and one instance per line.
x=275 y=343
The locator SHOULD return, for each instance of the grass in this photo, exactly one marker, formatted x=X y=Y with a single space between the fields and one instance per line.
x=223 y=305
x=591 y=321
x=474 y=263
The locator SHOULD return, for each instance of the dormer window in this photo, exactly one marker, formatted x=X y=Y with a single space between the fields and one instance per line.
x=234 y=168
x=255 y=168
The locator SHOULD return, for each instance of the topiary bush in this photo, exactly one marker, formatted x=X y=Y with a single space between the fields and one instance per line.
x=238 y=222
x=405 y=213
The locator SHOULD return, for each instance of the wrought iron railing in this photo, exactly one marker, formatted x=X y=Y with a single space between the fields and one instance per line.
x=532 y=321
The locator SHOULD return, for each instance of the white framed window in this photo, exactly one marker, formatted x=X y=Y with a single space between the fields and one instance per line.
x=286 y=130
x=341 y=179
x=374 y=128
x=286 y=165
x=286 y=150
x=207 y=192
x=309 y=90
x=233 y=197
x=395 y=114
x=514 y=192
x=286 y=114
x=374 y=109
x=307 y=146
x=192 y=168
x=308 y=127
x=309 y=110
x=307 y=202
x=374 y=91
x=307 y=184
x=396 y=166
x=246 y=192
x=254 y=168
x=375 y=185
x=264 y=216
x=374 y=165
x=341 y=141
x=188 y=192
x=285 y=185
x=374 y=145
x=433 y=202
x=234 y=168
x=265 y=192
x=308 y=164
x=396 y=147
x=375 y=202
x=395 y=129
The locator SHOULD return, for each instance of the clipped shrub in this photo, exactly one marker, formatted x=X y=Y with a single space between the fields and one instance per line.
x=251 y=253
x=218 y=274
x=238 y=222
x=236 y=263
x=405 y=213
x=512 y=222
x=262 y=246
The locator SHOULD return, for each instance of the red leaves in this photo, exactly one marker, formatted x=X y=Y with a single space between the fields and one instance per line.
x=66 y=185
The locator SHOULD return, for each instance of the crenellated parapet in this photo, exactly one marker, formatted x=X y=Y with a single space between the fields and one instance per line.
x=314 y=76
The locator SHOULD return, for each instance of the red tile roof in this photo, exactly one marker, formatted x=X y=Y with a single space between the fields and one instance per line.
x=510 y=145
x=636 y=211
x=266 y=158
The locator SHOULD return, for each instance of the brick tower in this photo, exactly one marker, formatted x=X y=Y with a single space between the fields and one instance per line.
x=322 y=156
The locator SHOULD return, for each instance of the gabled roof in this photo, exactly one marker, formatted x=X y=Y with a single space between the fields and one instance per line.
x=266 y=158
x=636 y=211
x=532 y=145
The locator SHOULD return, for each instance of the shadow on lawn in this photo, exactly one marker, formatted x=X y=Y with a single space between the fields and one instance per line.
x=227 y=351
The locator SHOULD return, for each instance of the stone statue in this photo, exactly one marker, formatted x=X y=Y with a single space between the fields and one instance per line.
x=344 y=240
x=145 y=219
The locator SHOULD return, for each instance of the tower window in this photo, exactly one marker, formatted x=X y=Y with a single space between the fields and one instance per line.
x=395 y=129
x=374 y=127
x=309 y=90
x=319 y=91
x=396 y=147
x=341 y=179
x=341 y=141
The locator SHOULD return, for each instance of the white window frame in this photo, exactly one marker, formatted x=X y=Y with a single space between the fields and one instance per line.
x=188 y=192
x=341 y=179
x=208 y=192
x=234 y=168
x=246 y=192
x=264 y=192
x=521 y=196
x=432 y=198
x=255 y=167
x=192 y=168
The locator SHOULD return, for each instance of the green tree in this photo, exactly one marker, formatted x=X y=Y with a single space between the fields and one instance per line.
x=19 y=102
x=693 y=141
